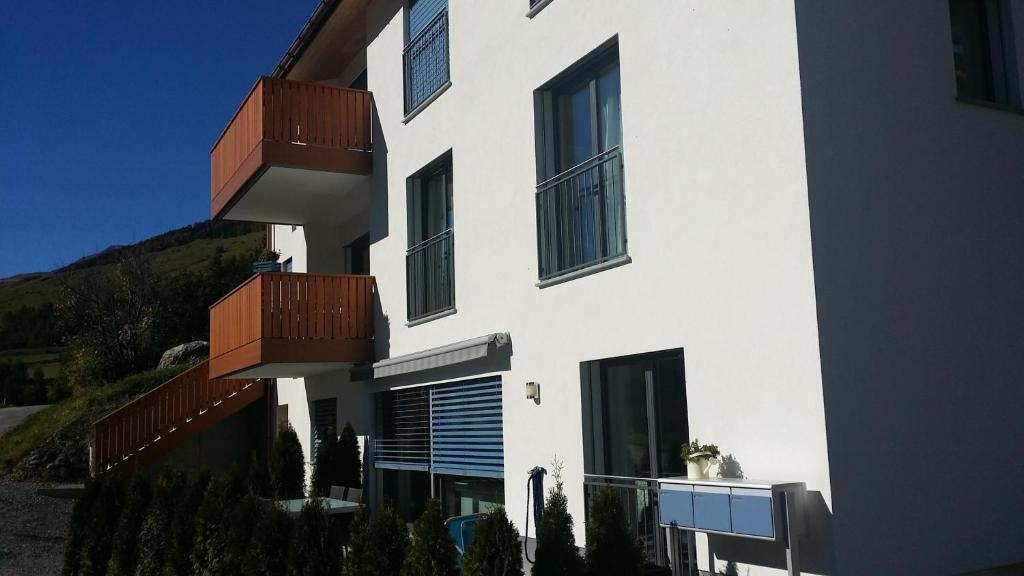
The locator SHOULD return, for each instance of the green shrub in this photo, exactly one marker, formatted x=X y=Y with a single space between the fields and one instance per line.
x=358 y=561
x=124 y=553
x=287 y=466
x=313 y=551
x=611 y=548
x=432 y=551
x=257 y=478
x=556 y=553
x=77 y=529
x=178 y=557
x=268 y=551
x=210 y=540
x=495 y=549
x=100 y=530
x=326 y=464
x=236 y=534
x=351 y=466
x=156 y=524
x=387 y=543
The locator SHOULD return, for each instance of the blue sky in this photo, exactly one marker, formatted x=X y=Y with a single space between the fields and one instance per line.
x=108 y=110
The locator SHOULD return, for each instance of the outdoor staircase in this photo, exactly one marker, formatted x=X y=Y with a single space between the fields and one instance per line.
x=168 y=416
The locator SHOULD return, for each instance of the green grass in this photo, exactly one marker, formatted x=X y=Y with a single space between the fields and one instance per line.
x=77 y=414
x=49 y=359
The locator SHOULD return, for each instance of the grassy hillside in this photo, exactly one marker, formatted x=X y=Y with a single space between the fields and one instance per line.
x=193 y=254
x=48 y=359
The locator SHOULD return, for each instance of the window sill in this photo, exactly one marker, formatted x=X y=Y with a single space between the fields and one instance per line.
x=992 y=105
x=434 y=316
x=535 y=9
x=419 y=108
x=606 y=265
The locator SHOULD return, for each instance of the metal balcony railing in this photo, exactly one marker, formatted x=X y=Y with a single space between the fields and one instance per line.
x=426 y=62
x=581 y=216
x=430 y=276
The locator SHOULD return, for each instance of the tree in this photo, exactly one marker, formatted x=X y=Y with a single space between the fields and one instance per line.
x=257 y=479
x=124 y=551
x=611 y=548
x=313 y=551
x=556 y=545
x=100 y=529
x=178 y=557
x=81 y=516
x=432 y=551
x=326 y=464
x=495 y=548
x=210 y=539
x=268 y=551
x=287 y=466
x=236 y=534
x=111 y=320
x=387 y=543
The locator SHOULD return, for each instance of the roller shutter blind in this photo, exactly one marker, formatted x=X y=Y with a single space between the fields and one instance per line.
x=467 y=429
x=421 y=12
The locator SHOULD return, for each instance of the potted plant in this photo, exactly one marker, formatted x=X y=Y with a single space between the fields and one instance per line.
x=698 y=458
x=267 y=261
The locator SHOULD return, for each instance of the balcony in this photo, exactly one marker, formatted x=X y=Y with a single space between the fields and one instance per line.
x=294 y=153
x=289 y=325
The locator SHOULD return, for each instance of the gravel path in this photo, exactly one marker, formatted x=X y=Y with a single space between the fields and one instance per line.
x=32 y=530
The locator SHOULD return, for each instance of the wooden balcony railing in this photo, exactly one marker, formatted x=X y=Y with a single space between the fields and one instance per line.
x=167 y=416
x=289 y=123
x=284 y=317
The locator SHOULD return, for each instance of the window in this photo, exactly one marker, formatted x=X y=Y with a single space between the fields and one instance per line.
x=581 y=219
x=634 y=423
x=426 y=51
x=430 y=285
x=357 y=256
x=984 y=52
x=324 y=420
x=286 y=266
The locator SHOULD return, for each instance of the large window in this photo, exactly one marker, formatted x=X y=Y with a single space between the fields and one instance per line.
x=581 y=218
x=984 y=53
x=430 y=260
x=426 y=51
x=634 y=424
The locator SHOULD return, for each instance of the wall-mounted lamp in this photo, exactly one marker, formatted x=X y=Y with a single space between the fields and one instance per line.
x=533 y=391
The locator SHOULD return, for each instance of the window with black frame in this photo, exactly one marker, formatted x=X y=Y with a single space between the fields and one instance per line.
x=984 y=52
x=430 y=260
x=425 y=57
x=634 y=424
x=581 y=215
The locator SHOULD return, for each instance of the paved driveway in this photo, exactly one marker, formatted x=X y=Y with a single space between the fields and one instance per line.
x=11 y=417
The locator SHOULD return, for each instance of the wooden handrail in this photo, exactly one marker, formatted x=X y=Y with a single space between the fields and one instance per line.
x=294 y=306
x=126 y=431
x=291 y=112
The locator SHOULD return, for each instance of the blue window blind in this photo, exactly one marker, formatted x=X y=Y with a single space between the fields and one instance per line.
x=421 y=12
x=466 y=429
x=324 y=416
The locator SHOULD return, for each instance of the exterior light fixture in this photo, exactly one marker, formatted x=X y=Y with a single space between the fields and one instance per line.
x=533 y=391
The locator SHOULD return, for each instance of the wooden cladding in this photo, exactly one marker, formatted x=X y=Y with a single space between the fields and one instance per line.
x=295 y=124
x=167 y=416
x=282 y=317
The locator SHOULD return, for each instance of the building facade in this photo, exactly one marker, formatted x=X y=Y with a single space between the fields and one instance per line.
x=792 y=229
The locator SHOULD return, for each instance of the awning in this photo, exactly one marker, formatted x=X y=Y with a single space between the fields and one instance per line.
x=441 y=356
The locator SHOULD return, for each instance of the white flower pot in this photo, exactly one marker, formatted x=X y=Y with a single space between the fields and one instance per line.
x=698 y=468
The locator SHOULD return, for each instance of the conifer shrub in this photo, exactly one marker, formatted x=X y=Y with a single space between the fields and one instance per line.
x=268 y=551
x=313 y=551
x=357 y=559
x=351 y=465
x=326 y=464
x=78 y=526
x=178 y=556
x=611 y=548
x=287 y=466
x=257 y=478
x=210 y=539
x=387 y=543
x=156 y=524
x=124 y=553
x=556 y=553
x=100 y=528
x=432 y=551
x=236 y=534
x=495 y=548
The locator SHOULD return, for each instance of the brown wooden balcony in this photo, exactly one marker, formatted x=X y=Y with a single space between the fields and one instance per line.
x=290 y=325
x=294 y=153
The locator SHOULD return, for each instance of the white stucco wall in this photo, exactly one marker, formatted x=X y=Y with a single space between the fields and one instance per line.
x=716 y=216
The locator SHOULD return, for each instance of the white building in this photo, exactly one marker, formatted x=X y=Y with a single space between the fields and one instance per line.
x=793 y=229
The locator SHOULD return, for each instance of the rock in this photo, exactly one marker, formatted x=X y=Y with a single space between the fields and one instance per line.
x=184 y=353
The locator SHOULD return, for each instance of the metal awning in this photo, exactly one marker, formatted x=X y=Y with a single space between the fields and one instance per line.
x=441 y=356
